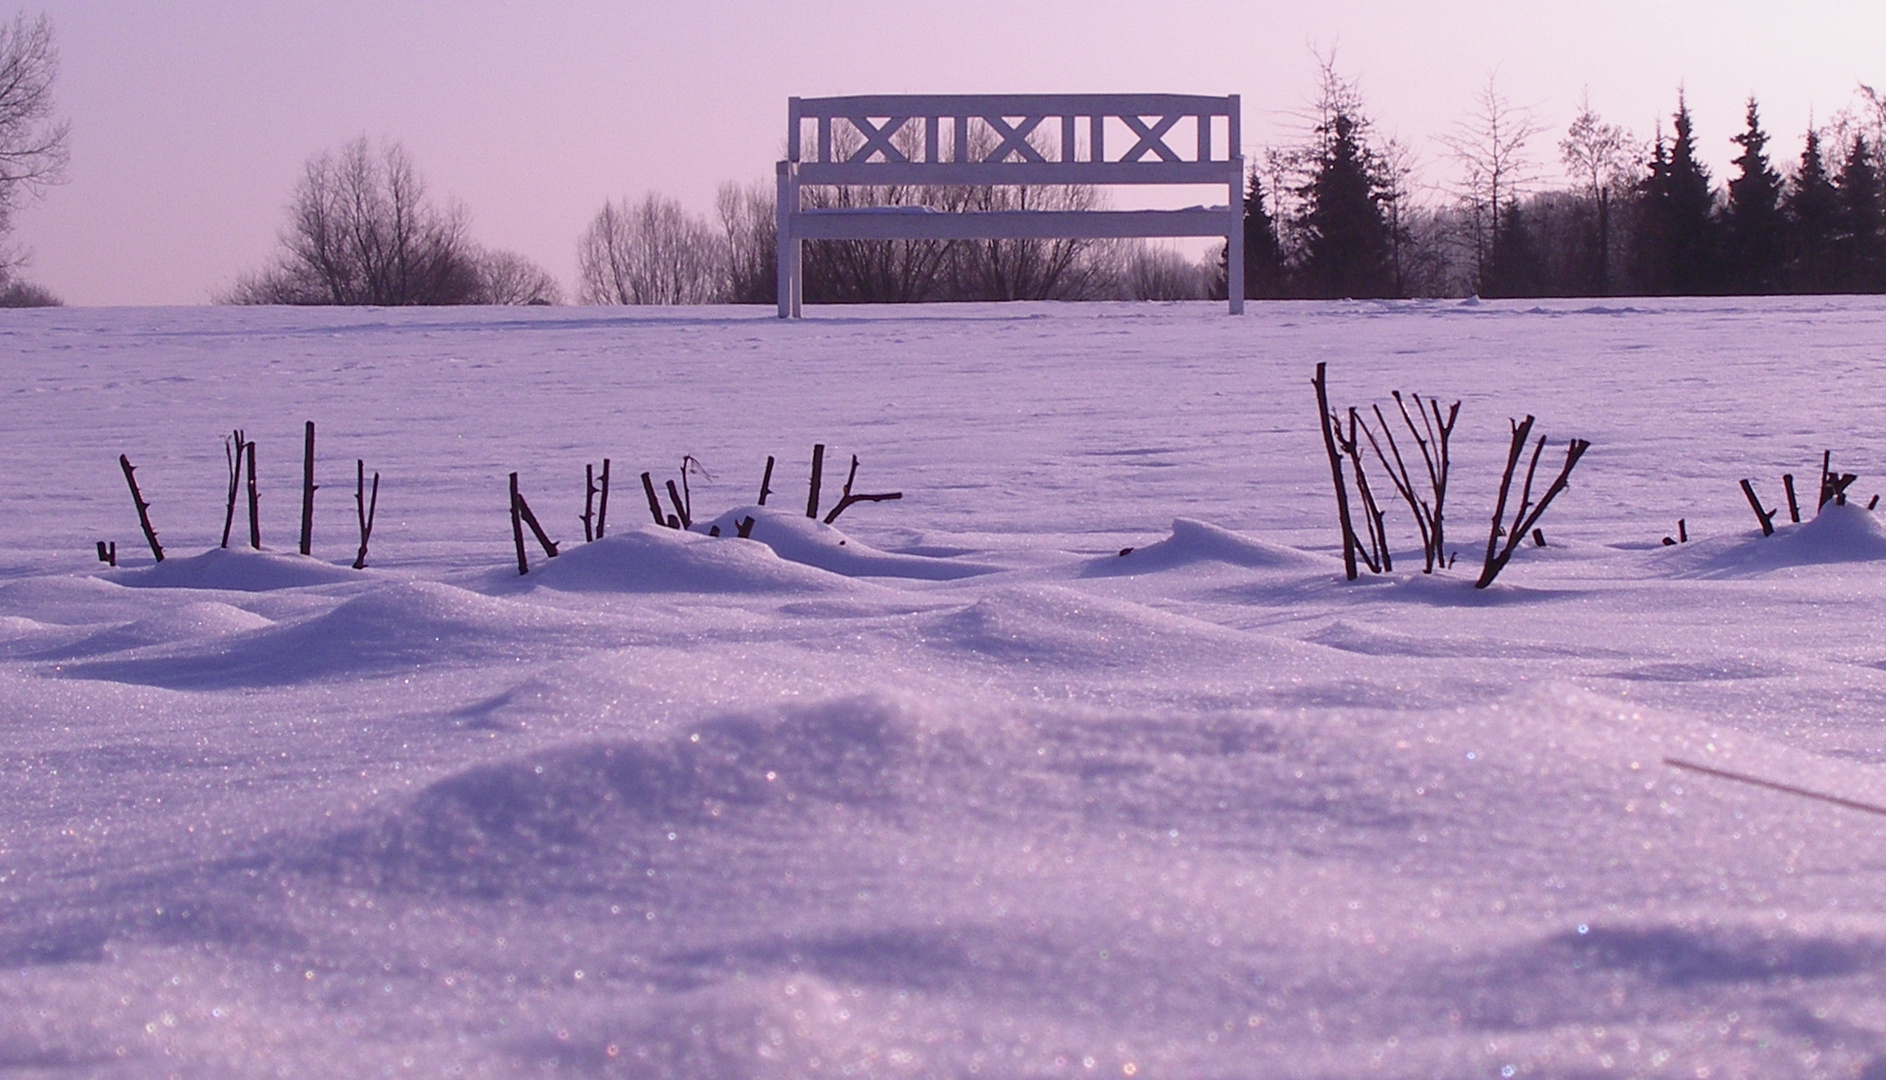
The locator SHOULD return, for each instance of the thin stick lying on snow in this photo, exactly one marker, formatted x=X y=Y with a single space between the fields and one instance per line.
x=1789 y=789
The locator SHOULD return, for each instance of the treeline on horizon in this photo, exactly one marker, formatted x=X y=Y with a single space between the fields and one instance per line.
x=1336 y=215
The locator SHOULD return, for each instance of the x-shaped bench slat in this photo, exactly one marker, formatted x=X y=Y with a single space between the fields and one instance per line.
x=1014 y=139
x=1151 y=139
x=878 y=139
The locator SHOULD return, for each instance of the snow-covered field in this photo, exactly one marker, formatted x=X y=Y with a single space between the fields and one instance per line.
x=956 y=790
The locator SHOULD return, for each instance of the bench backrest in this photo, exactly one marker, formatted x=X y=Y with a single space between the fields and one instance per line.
x=1089 y=139
x=1008 y=140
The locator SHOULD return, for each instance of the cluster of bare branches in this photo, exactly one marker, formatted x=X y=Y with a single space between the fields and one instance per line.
x=1425 y=493
x=1833 y=489
x=1506 y=535
x=239 y=453
x=678 y=513
x=1429 y=428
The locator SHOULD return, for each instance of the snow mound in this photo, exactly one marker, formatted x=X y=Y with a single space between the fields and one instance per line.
x=623 y=817
x=1057 y=627
x=195 y=621
x=804 y=540
x=1838 y=534
x=237 y=570
x=1193 y=542
x=651 y=559
x=396 y=628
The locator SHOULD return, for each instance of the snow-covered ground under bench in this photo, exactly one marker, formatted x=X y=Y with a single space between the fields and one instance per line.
x=951 y=788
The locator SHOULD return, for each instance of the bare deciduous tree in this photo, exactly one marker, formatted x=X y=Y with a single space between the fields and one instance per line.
x=750 y=231
x=651 y=253
x=505 y=277
x=1490 y=146
x=32 y=143
x=1057 y=269
x=361 y=231
x=1601 y=157
x=1160 y=273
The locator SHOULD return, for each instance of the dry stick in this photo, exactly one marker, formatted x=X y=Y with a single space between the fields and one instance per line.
x=680 y=505
x=1827 y=459
x=1837 y=483
x=818 y=472
x=602 y=503
x=144 y=508
x=689 y=461
x=549 y=545
x=1438 y=468
x=745 y=527
x=1404 y=484
x=255 y=505
x=307 y=491
x=234 y=455
x=366 y=509
x=589 y=502
x=654 y=504
x=1789 y=789
x=1682 y=531
x=1349 y=544
x=108 y=554
x=1372 y=515
x=1794 y=507
x=1766 y=517
x=517 y=529
x=1527 y=522
x=1521 y=432
x=766 y=481
x=846 y=499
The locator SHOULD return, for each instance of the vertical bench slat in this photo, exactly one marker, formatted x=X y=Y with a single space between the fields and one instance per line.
x=1067 y=137
x=1097 y=137
x=931 y=152
x=1204 y=137
x=962 y=138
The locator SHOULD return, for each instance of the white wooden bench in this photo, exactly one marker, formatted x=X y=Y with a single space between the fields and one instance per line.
x=1097 y=139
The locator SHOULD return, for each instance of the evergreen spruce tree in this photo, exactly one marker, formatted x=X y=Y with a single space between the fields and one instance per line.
x=1860 y=233
x=1347 y=245
x=1690 y=250
x=1649 y=225
x=1753 y=220
x=1264 y=272
x=1810 y=209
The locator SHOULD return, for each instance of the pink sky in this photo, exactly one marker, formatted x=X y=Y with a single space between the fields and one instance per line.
x=191 y=118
